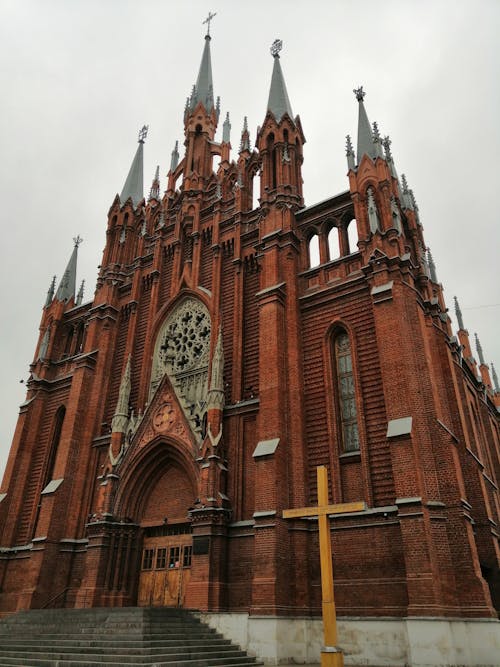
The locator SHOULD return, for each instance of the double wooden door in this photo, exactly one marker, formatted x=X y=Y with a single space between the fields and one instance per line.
x=165 y=570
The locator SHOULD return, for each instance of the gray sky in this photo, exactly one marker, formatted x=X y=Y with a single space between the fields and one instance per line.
x=79 y=78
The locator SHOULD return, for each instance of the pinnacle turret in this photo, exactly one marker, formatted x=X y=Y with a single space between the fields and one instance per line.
x=349 y=151
x=50 y=292
x=458 y=314
x=154 y=192
x=67 y=286
x=174 y=160
x=134 y=187
x=479 y=350
x=278 y=103
x=226 y=130
x=245 y=137
x=495 y=378
x=79 y=296
x=432 y=267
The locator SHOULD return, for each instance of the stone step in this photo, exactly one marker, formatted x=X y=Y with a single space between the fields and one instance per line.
x=31 y=648
x=44 y=641
x=124 y=658
x=54 y=662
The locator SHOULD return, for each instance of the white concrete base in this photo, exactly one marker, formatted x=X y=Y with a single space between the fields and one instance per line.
x=387 y=642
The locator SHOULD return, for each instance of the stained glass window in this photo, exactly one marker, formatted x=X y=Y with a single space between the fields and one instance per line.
x=347 y=394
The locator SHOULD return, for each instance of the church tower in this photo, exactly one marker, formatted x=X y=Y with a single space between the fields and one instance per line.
x=234 y=343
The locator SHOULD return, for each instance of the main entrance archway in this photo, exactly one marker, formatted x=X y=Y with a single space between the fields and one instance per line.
x=157 y=492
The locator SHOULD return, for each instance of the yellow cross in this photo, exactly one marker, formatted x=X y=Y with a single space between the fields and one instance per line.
x=331 y=656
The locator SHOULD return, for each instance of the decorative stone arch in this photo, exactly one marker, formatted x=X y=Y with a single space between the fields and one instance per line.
x=182 y=351
x=141 y=475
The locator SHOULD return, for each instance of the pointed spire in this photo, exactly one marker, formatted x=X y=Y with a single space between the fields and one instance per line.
x=479 y=350
x=386 y=143
x=120 y=418
x=495 y=378
x=349 y=151
x=458 y=314
x=134 y=188
x=42 y=353
x=432 y=267
x=365 y=137
x=203 y=90
x=226 y=130
x=278 y=103
x=79 y=296
x=50 y=292
x=154 y=192
x=67 y=286
x=174 y=160
x=245 y=137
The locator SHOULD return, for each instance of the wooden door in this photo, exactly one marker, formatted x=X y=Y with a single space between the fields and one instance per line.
x=165 y=569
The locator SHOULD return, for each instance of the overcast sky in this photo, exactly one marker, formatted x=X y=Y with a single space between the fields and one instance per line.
x=79 y=78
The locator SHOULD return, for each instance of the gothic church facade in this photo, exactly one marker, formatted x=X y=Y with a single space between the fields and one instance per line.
x=170 y=420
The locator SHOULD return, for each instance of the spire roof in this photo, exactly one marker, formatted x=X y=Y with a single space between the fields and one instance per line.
x=134 y=185
x=458 y=314
x=278 y=103
x=203 y=90
x=365 y=135
x=67 y=286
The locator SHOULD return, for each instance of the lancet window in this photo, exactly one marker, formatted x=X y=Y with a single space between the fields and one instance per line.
x=346 y=393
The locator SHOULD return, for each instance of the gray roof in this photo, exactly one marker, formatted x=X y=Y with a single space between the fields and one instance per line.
x=203 y=90
x=134 y=187
x=67 y=286
x=278 y=103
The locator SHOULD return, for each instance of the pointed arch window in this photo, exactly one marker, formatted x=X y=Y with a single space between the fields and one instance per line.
x=313 y=248
x=352 y=235
x=346 y=393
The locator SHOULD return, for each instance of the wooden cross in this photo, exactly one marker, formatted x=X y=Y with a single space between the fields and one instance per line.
x=331 y=656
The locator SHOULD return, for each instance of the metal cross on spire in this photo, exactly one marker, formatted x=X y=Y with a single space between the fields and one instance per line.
x=143 y=133
x=77 y=240
x=276 y=47
x=208 y=19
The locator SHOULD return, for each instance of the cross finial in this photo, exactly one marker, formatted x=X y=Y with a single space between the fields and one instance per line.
x=143 y=133
x=360 y=93
x=276 y=47
x=77 y=240
x=207 y=21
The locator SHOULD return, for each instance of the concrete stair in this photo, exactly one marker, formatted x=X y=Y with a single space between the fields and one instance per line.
x=128 y=636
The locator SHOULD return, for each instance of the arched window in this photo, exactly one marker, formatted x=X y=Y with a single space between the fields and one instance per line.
x=352 y=235
x=333 y=243
x=54 y=445
x=314 y=250
x=346 y=393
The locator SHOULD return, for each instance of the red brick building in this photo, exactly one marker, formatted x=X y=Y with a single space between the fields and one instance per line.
x=169 y=421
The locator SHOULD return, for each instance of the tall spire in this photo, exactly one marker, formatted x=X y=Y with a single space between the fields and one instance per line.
x=134 y=188
x=458 y=314
x=432 y=266
x=365 y=135
x=120 y=418
x=278 y=103
x=203 y=90
x=67 y=286
x=174 y=160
